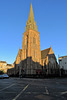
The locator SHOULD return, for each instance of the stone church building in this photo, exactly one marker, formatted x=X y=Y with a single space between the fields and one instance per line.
x=30 y=59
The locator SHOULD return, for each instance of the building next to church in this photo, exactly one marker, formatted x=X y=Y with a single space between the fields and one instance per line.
x=4 y=66
x=30 y=59
x=63 y=65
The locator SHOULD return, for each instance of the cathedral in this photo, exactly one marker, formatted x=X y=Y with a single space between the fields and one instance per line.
x=30 y=59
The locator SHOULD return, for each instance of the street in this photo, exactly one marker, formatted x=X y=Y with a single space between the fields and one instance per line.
x=33 y=89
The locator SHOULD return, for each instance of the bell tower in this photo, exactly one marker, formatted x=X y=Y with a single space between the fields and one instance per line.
x=31 y=54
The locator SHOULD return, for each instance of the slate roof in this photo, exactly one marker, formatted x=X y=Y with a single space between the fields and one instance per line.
x=44 y=53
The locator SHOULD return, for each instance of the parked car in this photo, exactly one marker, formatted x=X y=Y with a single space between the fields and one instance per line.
x=4 y=76
x=1 y=76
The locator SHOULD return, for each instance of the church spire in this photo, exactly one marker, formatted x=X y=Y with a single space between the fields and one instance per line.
x=31 y=24
x=31 y=15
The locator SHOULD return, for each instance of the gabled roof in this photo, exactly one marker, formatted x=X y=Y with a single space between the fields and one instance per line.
x=44 y=53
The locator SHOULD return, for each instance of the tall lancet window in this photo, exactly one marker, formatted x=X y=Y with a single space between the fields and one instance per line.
x=34 y=40
x=34 y=53
x=27 y=40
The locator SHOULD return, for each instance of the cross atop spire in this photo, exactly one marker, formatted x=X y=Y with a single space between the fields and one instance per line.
x=31 y=24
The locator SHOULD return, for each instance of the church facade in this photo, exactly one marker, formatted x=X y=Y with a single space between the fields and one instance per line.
x=30 y=59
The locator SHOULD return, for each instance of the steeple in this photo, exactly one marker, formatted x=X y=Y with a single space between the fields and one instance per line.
x=31 y=15
x=31 y=24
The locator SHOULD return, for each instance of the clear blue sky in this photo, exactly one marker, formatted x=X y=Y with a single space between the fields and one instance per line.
x=51 y=18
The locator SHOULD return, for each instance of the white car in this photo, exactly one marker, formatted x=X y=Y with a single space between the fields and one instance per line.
x=4 y=76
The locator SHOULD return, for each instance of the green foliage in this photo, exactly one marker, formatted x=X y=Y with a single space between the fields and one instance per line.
x=1 y=72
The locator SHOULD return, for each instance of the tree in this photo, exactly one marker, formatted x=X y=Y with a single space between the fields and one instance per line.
x=1 y=72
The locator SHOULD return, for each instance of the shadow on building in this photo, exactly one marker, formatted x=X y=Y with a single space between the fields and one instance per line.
x=29 y=68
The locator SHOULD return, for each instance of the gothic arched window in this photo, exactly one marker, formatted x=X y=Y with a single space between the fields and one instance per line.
x=34 y=53
x=34 y=41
